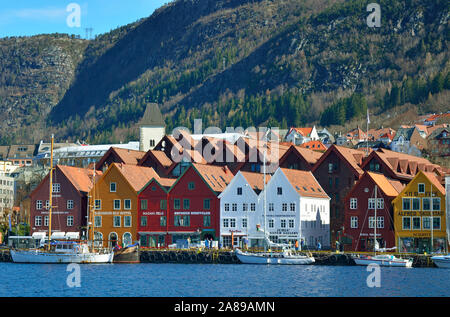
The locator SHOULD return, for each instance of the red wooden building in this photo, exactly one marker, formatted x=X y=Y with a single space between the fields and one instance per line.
x=190 y=208
x=69 y=195
x=360 y=204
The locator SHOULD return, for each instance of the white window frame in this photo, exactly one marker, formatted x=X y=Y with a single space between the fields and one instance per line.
x=271 y=223
x=70 y=204
x=353 y=203
x=413 y=199
x=292 y=207
x=432 y=203
x=115 y=187
x=380 y=203
x=125 y=222
x=440 y=223
x=114 y=204
x=380 y=222
x=371 y=203
x=125 y=204
x=99 y=205
x=70 y=221
x=354 y=222
x=46 y=221
x=412 y=223
x=97 y=219
x=429 y=204
x=418 y=188
x=56 y=188
x=114 y=221
x=225 y=223
x=403 y=223
x=39 y=204
x=226 y=207
x=410 y=203
x=38 y=221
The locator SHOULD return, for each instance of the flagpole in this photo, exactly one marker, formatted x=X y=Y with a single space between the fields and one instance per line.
x=367 y=133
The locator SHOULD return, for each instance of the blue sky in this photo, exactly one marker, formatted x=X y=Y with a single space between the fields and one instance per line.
x=31 y=17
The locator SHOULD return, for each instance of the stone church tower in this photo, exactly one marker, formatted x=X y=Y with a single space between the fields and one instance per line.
x=151 y=128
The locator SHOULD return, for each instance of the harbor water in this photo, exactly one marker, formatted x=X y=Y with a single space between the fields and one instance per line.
x=218 y=280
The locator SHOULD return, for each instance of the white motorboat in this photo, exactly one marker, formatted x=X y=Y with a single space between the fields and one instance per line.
x=382 y=260
x=285 y=257
x=442 y=261
x=62 y=252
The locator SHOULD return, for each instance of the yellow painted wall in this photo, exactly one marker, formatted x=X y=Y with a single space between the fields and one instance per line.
x=107 y=211
x=411 y=191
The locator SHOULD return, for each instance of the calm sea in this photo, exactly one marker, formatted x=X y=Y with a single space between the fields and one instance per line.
x=215 y=280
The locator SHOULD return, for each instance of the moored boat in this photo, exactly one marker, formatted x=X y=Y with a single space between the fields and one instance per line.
x=285 y=257
x=62 y=252
x=382 y=260
x=442 y=261
x=129 y=254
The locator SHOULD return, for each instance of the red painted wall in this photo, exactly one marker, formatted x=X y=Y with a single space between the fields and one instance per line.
x=60 y=211
x=387 y=234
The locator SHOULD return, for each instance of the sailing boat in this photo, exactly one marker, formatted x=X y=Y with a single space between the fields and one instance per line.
x=380 y=259
x=61 y=251
x=285 y=257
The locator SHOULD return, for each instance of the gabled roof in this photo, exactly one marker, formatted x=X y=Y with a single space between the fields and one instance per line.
x=158 y=156
x=81 y=178
x=389 y=187
x=309 y=156
x=431 y=177
x=255 y=180
x=304 y=183
x=137 y=176
x=216 y=177
x=314 y=145
x=302 y=131
x=124 y=156
x=352 y=157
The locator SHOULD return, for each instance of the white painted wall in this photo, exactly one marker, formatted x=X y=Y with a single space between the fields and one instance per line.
x=148 y=133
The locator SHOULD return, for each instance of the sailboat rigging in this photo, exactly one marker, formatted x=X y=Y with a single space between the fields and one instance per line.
x=61 y=251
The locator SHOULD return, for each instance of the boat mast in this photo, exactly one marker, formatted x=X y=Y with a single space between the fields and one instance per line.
x=375 y=224
x=264 y=202
x=50 y=194
x=431 y=218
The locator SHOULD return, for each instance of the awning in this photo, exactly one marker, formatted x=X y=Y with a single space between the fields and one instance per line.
x=57 y=235
x=73 y=235
x=39 y=235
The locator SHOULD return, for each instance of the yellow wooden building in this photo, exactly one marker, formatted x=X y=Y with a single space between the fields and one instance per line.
x=115 y=199
x=413 y=222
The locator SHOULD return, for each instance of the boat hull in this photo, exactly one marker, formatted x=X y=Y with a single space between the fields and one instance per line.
x=441 y=261
x=247 y=258
x=35 y=256
x=127 y=255
x=383 y=262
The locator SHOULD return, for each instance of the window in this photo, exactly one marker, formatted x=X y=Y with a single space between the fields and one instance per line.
x=127 y=221
x=380 y=203
x=206 y=221
x=38 y=204
x=144 y=204
x=270 y=206
x=283 y=223
x=371 y=222
x=112 y=187
x=46 y=221
x=406 y=223
x=415 y=203
x=354 y=222
x=234 y=207
x=152 y=143
x=232 y=223
x=330 y=167
x=176 y=204
x=163 y=204
x=206 y=203
x=406 y=203
x=97 y=221
x=162 y=221
x=69 y=221
x=38 y=221
x=191 y=185
x=436 y=204
x=253 y=207
x=116 y=204
x=244 y=222
x=284 y=207
x=127 y=204
x=353 y=204
x=371 y=203
x=56 y=188
x=70 y=204
x=47 y=204
x=436 y=223
x=271 y=223
x=426 y=223
x=116 y=221
x=244 y=207
x=416 y=223
x=380 y=222
x=292 y=206
x=186 y=203
x=291 y=223
x=239 y=191
x=279 y=191
x=426 y=202
x=226 y=223
x=98 y=204
x=421 y=188
x=143 y=221
x=227 y=207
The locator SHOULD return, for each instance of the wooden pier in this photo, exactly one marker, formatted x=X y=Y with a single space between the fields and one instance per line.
x=207 y=256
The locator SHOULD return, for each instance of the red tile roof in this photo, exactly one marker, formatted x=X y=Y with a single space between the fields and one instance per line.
x=304 y=183
x=137 y=176
x=81 y=178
